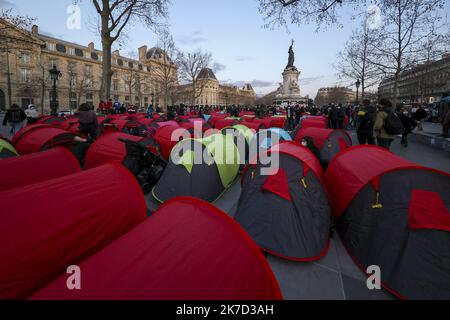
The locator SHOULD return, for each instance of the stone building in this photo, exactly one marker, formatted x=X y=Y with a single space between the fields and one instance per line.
x=28 y=56
x=211 y=93
x=334 y=95
x=425 y=83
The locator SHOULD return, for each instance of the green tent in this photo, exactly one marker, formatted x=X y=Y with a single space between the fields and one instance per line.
x=201 y=168
x=6 y=149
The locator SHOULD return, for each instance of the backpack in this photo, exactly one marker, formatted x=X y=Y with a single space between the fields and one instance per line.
x=393 y=125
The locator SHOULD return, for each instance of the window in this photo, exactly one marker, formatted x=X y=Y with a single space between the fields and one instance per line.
x=25 y=58
x=141 y=67
x=127 y=98
x=25 y=75
x=94 y=56
x=51 y=46
x=89 y=97
x=53 y=62
x=116 y=85
x=137 y=99
x=120 y=62
x=116 y=97
x=79 y=52
x=61 y=48
x=130 y=65
x=88 y=70
x=127 y=87
x=71 y=51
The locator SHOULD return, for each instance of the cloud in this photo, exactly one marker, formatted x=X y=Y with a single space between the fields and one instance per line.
x=310 y=80
x=255 y=83
x=6 y=4
x=194 y=37
x=218 y=67
x=244 y=58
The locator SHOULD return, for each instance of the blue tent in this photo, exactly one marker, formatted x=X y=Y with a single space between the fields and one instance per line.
x=265 y=138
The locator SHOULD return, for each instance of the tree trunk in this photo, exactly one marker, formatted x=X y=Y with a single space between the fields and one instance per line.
x=105 y=89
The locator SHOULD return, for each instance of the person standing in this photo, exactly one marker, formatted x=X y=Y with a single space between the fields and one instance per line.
x=333 y=117
x=408 y=123
x=420 y=116
x=32 y=114
x=367 y=116
x=15 y=116
x=88 y=122
x=340 y=116
x=384 y=128
x=444 y=115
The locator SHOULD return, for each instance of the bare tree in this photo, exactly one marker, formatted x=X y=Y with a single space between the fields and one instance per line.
x=354 y=62
x=84 y=84
x=71 y=73
x=407 y=26
x=165 y=73
x=321 y=12
x=189 y=67
x=114 y=17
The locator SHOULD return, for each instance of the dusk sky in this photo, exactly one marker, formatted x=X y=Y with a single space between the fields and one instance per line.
x=231 y=30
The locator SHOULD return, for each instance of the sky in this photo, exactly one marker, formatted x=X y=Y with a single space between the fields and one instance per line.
x=232 y=30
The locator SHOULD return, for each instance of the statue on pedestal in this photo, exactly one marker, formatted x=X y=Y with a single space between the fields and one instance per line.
x=291 y=57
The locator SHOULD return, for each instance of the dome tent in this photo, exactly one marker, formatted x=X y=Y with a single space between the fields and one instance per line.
x=265 y=139
x=189 y=174
x=242 y=138
x=329 y=142
x=394 y=214
x=37 y=167
x=187 y=250
x=108 y=148
x=6 y=149
x=40 y=138
x=287 y=212
x=41 y=235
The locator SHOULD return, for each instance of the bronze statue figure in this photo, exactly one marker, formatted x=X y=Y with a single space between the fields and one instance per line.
x=291 y=56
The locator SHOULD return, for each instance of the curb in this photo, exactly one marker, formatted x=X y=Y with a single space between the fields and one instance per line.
x=431 y=140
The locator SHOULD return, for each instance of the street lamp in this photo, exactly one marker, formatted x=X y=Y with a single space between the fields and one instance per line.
x=55 y=74
x=357 y=90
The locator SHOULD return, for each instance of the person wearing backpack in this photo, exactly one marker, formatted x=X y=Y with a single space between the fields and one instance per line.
x=387 y=125
x=15 y=117
x=366 y=116
x=408 y=123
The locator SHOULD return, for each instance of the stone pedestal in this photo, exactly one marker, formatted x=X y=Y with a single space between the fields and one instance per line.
x=289 y=91
x=290 y=82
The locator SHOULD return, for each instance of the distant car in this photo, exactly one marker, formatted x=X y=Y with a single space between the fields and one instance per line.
x=65 y=113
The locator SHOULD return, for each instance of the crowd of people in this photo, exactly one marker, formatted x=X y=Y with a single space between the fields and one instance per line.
x=374 y=123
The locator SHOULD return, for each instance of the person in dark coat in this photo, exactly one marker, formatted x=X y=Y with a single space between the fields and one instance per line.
x=367 y=116
x=333 y=116
x=408 y=122
x=15 y=117
x=88 y=121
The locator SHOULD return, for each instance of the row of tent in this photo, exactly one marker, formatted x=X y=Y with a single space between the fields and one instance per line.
x=388 y=211
x=97 y=219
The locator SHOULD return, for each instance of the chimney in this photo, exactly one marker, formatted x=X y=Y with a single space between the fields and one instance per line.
x=91 y=46
x=35 y=29
x=142 y=53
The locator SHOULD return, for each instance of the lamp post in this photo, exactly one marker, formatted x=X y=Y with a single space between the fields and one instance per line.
x=357 y=90
x=55 y=74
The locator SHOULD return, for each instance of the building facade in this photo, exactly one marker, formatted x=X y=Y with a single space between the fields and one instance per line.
x=425 y=83
x=26 y=58
x=209 y=92
x=334 y=95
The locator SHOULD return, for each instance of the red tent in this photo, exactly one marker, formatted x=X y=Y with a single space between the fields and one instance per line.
x=126 y=126
x=161 y=124
x=70 y=125
x=354 y=168
x=315 y=122
x=108 y=148
x=53 y=120
x=22 y=132
x=394 y=214
x=36 y=167
x=49 y=226
x=253 y=125
x=224 y=123
x=187 y=250
x=215 y=117
x=42 y=138
x=163 y=137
